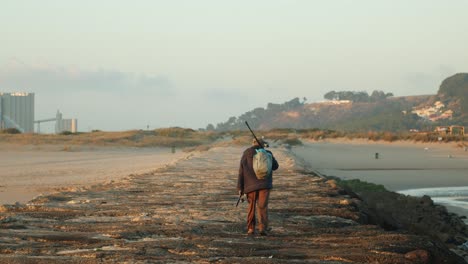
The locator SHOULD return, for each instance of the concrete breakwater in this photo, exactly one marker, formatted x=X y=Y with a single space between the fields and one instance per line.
x=185 y=213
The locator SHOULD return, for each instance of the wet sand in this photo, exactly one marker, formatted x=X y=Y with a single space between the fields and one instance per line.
x=28 y=171
x=400 y=166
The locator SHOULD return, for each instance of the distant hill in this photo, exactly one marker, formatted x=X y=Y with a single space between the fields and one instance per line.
x=454 y=93
x=361 y=112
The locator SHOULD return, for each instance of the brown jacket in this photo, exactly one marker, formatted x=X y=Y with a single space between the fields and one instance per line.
x=247 y=181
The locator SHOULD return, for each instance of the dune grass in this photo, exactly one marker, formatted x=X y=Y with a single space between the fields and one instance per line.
x=166 y=137
x=183 y=137
x=294 y=137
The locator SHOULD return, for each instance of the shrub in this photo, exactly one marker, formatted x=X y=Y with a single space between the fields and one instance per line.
x=175 y=132
x=10 y=131
x=388 y=136
x=292 y=141
x=359 y=186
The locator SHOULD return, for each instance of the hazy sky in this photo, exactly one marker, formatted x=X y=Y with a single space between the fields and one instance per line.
x=118 y=65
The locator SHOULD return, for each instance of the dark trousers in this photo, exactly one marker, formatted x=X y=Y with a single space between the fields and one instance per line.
x=258 y=201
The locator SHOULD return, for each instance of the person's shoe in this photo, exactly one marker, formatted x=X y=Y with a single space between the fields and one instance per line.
x=250 y=232
x=263 y=233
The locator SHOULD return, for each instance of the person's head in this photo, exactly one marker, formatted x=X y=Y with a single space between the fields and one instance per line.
x=263 y=142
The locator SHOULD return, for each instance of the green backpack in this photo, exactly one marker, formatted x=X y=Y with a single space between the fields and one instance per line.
x=262 y=164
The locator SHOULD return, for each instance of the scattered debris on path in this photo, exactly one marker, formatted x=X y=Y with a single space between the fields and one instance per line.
x=186 y=213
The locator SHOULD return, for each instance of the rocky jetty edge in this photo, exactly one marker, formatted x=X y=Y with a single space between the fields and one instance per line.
x=185 y=213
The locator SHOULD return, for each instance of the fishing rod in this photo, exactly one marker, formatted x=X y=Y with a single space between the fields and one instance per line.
x=240 y=198
x=256 y=139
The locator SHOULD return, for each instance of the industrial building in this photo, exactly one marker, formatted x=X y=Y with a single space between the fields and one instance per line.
x=61 y=125
x=65 y=125
x=17 y=111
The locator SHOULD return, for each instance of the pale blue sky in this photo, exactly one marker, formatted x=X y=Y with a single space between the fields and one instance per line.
x=119 y=65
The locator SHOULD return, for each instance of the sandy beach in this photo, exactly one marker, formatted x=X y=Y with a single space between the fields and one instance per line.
x=400 y=165
x=28 y=171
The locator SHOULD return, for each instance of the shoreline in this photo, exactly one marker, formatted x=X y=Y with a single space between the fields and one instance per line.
x=399 y=166
x=362 y=141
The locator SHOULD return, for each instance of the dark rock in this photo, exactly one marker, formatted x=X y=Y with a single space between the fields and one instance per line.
x=420 y=216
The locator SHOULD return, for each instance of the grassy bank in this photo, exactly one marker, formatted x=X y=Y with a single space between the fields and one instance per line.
x=182 y=137
x=293 y=136
x=166 y=137
x=358 y=186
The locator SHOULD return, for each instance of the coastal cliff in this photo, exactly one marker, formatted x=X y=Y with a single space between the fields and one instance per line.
x=186 y=213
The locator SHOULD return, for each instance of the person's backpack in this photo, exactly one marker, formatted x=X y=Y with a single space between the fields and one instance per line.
x=262 y=164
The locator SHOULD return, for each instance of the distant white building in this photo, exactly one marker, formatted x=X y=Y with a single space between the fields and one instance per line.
x=17 y=111
x=65 y=125
x=336 y=102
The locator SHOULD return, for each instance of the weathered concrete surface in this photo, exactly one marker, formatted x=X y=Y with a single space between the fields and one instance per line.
x=185 y=213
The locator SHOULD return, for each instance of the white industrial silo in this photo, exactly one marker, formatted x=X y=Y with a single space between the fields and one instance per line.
x=17 y=111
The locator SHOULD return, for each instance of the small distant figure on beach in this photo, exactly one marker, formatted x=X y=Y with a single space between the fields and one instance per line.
x=173 y=149
x=376 y=155
x=256 y=180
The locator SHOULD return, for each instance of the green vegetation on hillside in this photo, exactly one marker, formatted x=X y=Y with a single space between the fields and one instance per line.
x=258 y=116
x=385 y=116
x=357 y=96
x=381 y=115
x=455 y=88
x=379 y=111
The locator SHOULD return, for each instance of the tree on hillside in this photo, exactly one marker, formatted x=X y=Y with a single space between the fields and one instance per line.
x=259 y=115
x=332 y=95
x=273 y=107
x=357 y=96
x=347 y=95
x=294 y=103
x=378 y=95
x=360 y=97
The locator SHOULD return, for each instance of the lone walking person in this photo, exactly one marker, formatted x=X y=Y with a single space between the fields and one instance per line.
x=256 y=186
